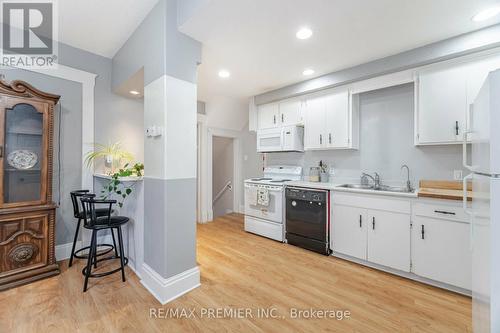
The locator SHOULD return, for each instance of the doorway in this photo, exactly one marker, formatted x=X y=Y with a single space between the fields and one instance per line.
x=222 y=175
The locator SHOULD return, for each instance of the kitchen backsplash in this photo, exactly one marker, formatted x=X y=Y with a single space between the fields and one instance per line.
x=386 y=143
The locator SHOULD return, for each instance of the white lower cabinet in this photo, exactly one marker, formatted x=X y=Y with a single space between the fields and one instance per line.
x=441 y=245
x=425 y=238
x=370 y=232
x=388 y=239
x=349 y=231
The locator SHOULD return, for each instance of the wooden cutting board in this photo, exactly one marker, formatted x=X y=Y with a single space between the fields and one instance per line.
x=444 y=189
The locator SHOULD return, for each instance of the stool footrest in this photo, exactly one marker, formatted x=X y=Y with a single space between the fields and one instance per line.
x=97 y=275
x=85 y=256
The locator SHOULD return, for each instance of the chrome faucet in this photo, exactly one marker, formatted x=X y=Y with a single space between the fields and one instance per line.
x=409 y=188
x=376 y=179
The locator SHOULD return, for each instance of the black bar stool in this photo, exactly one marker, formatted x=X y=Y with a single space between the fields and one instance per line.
x=78 y=214
x=95 y=223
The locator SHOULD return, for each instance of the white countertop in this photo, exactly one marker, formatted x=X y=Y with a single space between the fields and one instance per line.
x=335 y=187
x=122 y=179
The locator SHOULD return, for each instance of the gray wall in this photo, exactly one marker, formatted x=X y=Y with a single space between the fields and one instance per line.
x=386 y=142
x=144 y=48
x=159 y=47
x=114 y=116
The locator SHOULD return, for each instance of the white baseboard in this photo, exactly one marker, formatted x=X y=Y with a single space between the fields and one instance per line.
x=166 y=290
x=63 y=251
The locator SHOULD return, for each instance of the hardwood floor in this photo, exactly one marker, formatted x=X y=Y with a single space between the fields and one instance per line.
x=239 y=270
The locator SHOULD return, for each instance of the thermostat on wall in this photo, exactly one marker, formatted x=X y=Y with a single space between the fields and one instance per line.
x=154 y=131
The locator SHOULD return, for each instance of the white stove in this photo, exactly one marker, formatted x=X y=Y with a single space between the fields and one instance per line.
x=268 y=219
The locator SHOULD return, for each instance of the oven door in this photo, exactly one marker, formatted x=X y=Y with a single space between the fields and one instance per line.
x=273 y=212
x=307 y=218
x=269 y=140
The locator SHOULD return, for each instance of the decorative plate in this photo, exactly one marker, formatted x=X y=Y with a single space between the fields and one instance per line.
x=22 y=159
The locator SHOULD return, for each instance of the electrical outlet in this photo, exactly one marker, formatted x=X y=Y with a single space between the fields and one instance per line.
x=457 y=174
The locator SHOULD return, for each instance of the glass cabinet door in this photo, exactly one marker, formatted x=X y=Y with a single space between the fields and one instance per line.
x=23 y=153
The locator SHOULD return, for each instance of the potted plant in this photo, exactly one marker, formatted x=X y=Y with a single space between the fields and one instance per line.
x=117 y=188
x=113 y=155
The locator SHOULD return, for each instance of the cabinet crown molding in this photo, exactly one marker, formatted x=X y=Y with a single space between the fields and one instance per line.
x=24 y=89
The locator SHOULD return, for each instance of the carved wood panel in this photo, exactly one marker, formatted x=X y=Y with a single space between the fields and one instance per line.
x=23 y=242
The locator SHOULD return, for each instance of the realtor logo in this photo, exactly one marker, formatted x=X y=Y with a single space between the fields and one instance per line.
x=28 y=37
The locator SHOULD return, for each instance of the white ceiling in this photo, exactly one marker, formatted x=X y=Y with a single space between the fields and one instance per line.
x=255 y=39
x=100 y=26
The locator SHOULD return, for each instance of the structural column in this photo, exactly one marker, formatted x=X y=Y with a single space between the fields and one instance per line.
x=169 y=59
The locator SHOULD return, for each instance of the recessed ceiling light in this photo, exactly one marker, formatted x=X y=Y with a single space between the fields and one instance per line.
x=486 y=14
x=134 y=92
x=304 y=33
x=224 y=74
x=308 y=72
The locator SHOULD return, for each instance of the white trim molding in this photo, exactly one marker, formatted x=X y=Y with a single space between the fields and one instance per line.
x=166 y=290
x=208 y=182
x=63 y=251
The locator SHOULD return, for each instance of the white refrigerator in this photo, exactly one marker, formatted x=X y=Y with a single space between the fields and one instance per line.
x=484 y=156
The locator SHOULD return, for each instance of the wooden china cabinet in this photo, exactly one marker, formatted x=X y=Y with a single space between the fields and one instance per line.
x=27 y=212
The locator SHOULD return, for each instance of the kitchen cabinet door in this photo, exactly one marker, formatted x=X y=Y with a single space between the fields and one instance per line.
x=441 y=252
x=290 y=112
x=441 y=106
x=268 y=116
x=349 y=231
x=337 y=120
x=314 y=128
x=389 y=237
x=477 y=73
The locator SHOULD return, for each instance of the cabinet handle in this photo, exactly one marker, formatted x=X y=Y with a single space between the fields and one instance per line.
x=320 y=139
x=274 y=119
x=373 y=223
x=1 y=151
x=330 y=137
x=282 y=118
x=423 y=231
x=444 y=212
x=360 y=221
x=456 y=128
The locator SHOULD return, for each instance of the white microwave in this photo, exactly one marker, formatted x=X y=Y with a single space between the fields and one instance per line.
x=286 y=138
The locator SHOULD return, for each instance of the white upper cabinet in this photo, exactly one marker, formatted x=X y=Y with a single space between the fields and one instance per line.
x=290 y=112
x=268 y=116
x=337 y=121
x=443 y=96
x=314 y=129
x=477 y=73
x=441 y=106
x=331 y=122
x=285 y=113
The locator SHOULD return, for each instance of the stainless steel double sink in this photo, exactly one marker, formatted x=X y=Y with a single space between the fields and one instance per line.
x=385 y=188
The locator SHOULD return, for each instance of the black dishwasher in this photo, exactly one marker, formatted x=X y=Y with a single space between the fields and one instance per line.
x=307 y=219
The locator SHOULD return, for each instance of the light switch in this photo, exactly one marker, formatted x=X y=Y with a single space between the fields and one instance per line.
x=154 y=131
